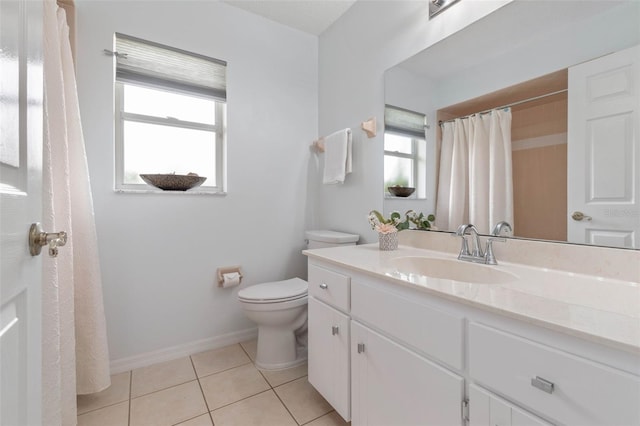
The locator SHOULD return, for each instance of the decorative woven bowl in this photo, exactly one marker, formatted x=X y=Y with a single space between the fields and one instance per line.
x=401 y=191
x=170 y=182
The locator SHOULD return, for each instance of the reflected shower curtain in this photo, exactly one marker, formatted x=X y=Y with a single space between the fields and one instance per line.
x=452 y=206
x=75 y=357
x=475 y=182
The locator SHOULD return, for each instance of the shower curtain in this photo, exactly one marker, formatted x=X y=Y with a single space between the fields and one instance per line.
x=75 y=355
x=475 y=182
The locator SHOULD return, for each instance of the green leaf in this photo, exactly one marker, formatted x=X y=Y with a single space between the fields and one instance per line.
x=378 y=216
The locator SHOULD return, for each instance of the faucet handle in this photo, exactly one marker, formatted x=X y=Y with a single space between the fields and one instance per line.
x=500 y=226
x=489 y=257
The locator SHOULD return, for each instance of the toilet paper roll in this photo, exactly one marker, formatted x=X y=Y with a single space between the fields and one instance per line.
x=230 y=279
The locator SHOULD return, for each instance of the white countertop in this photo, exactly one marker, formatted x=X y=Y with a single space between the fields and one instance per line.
x=599 y=309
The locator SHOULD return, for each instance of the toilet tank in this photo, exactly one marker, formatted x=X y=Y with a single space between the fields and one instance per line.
x=325 y=238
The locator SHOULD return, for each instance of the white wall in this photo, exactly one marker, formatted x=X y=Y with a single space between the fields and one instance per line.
x=353 y=56
x=159 y=252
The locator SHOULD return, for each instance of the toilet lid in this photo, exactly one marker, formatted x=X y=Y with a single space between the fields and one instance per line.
x=278 y=290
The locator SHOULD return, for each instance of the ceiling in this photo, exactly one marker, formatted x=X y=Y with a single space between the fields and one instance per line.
x=310 y=16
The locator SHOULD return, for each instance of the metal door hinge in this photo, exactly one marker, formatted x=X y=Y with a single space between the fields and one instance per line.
x=465 y=410
x=360 y=348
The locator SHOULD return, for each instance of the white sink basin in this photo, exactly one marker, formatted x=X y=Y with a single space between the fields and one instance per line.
x=456 y=270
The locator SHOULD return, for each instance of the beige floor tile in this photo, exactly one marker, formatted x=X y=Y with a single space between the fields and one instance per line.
x=203 y=420
x=117 y=392
x=251 y=347
x=331 y=419
x=264 y=409
x=302 y=400
x=217 y=360
x=232 y=385
x=113 y=415
x=279 y=377
x=168 y=406
x=161 y=376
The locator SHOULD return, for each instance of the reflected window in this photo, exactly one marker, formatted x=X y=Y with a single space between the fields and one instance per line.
x=400 y=158
x=404 y=150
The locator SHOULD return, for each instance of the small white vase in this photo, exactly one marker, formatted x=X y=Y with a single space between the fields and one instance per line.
x=388 y=241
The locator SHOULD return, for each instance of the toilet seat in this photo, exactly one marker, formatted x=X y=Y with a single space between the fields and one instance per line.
x=275 y=292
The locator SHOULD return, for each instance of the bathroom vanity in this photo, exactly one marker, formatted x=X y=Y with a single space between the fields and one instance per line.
x=511 y=344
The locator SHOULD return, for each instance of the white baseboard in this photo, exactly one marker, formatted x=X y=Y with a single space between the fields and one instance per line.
x=167 y=354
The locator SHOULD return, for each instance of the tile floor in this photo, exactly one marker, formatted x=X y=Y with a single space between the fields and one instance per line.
x=221 y=387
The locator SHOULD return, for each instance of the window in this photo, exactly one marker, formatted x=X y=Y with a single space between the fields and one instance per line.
x=170 y=114
x=404 y=149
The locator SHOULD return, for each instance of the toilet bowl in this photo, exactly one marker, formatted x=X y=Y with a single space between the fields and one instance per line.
x=279 y=309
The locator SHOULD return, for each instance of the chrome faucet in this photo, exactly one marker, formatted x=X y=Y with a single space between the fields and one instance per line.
x=476 y=254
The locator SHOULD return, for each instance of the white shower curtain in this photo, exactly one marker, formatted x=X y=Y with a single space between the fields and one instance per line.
x=475 y=181
x=75 y=354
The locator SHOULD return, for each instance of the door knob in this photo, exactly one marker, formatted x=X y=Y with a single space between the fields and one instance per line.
x=38 y=239
x=578 y=216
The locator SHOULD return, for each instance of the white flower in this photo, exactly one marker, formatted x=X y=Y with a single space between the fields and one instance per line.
x=386 y=228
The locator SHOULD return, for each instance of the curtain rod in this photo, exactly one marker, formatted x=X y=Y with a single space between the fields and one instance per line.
x=535 y=98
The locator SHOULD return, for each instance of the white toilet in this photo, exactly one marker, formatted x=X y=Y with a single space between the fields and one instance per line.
x=280 y=310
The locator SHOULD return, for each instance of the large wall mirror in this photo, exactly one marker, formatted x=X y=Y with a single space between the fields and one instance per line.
x=568 y=74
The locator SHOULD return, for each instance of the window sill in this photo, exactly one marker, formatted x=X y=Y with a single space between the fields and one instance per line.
x=391 y=197
x=160 y=191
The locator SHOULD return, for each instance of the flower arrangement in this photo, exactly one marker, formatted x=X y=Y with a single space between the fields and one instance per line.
x=395 y=222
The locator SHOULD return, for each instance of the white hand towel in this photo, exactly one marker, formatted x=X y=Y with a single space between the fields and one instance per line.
x=337 y=161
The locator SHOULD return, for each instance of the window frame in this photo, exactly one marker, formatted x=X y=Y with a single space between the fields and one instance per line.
x=120 y=116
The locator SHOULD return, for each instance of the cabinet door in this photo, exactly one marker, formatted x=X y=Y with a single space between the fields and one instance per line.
x=329 y=355
x=394 y=386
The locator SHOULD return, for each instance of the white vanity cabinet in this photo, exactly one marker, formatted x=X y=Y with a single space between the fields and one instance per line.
x=329 y=337
x=413 y=357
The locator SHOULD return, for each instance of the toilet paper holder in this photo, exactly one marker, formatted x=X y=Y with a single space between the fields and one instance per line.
x=227 y=270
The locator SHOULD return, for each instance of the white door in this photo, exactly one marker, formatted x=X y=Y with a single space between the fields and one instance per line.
x=392 y=385
x=604 y=151
x=20 y=205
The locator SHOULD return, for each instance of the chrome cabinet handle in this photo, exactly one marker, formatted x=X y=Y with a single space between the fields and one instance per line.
x=579 y=216
x=324 y=286
x=360 y=348
x=38 y=239
x=542 y=384
x=334 y=330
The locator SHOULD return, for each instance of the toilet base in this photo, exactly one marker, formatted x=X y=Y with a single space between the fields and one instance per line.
x=278 y=350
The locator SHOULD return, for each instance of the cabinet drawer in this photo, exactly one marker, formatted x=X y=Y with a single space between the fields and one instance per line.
x=423 y=327
x=329 y=286
x=569 y=389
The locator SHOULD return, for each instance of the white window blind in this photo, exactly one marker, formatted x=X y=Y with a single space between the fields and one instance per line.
x=403 y=121
x=144 y=62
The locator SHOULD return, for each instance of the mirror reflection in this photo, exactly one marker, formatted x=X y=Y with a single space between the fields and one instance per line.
x=538 y=126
